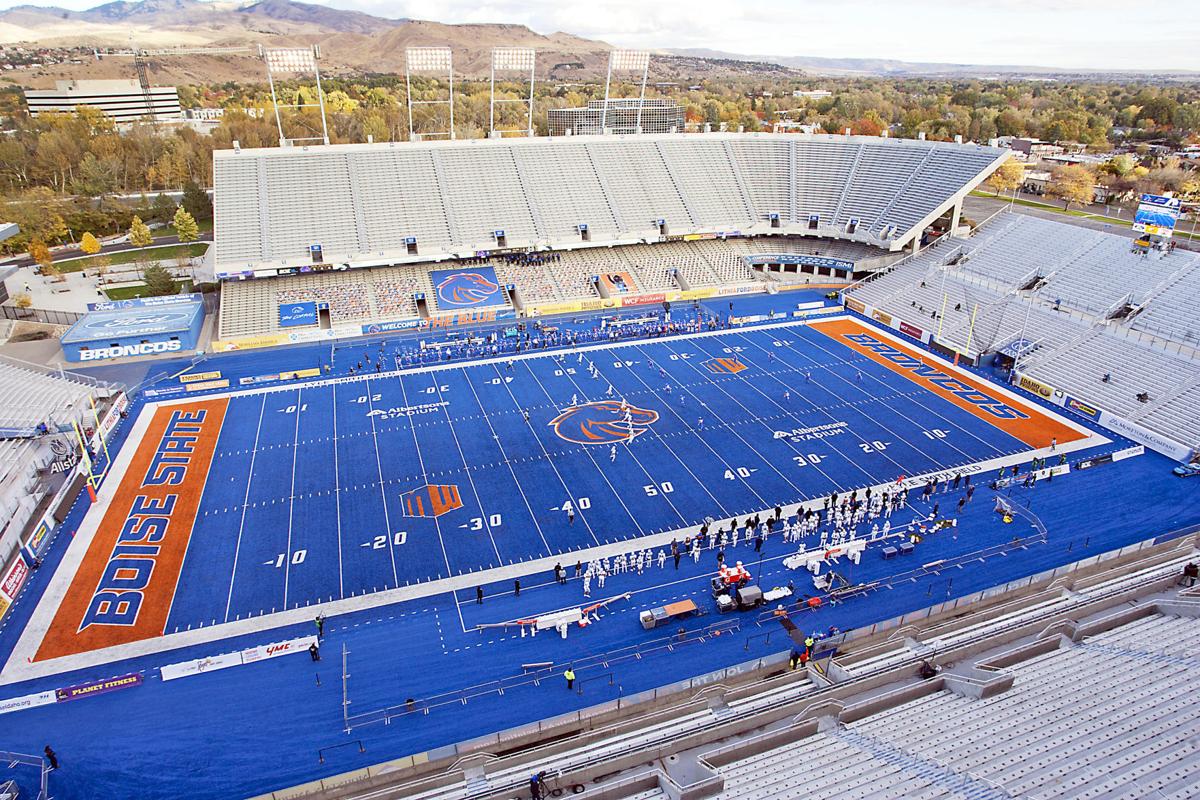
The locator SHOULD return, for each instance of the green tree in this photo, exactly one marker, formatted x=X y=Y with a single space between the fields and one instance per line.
x=185 y=226
x=159 y=281
x=139 y=233
x=196 y=201
x=163 y=208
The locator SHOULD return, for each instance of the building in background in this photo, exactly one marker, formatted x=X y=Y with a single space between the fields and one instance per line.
x=124 y=101
x=658 y=116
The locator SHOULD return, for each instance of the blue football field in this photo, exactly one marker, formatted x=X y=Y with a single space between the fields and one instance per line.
x=348 y=485
x=326 y=491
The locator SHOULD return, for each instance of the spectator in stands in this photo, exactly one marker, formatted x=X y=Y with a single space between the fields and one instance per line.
x=1190 y=573
x=1107 y=378
x=1143 y=397
x=927 y=670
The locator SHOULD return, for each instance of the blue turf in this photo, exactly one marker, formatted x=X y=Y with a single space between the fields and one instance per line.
x=247 y=730
x=281 y=527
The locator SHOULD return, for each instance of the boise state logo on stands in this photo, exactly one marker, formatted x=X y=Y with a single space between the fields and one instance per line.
x=466 y=289
x=603 y=422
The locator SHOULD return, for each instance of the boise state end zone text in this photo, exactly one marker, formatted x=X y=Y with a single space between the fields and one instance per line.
x=920 y=369
x=119 y=596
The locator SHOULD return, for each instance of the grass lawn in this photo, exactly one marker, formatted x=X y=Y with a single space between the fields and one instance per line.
x=166 y=254
x=130 y=292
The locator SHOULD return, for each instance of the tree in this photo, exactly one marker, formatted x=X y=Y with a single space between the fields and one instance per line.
x=1072 y=184
x=23 y=301
x=101 y=264
x=185 y=226
x=197 y=201
x=139 y=233
x=163 y=208
x=1008 y=176
x=40 y=253
x=89 y=244
x=159 y=281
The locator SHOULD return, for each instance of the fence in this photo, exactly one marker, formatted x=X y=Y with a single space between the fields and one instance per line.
x=43 y=315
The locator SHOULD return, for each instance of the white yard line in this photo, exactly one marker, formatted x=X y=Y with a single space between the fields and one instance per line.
x=287 y=552
x=508 y=463
x=387 y=520
x=237 y=550
x=337 y=496
x=587 y=451
x=466 y=471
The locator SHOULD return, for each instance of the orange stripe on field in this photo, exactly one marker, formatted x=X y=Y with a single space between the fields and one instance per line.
x=1036 y=429
x=123 y=589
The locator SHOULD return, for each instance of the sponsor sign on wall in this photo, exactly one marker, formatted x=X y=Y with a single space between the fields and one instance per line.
x=93 y=688
x=1042 y=390
x=252 y=655
x=856 y=305
x=1080 y=407
x=911 y=330
x=27 y=701
x=1155 y=441
x=296 y=315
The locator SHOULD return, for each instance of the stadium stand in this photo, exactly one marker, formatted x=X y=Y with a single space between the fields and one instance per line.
x=250 y=307
x=361 y=202
x=1069 y=684
x=32 y=395
x=1085 y=302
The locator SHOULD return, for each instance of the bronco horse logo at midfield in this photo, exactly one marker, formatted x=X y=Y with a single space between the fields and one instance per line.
x=603 y=422
x=465 y=289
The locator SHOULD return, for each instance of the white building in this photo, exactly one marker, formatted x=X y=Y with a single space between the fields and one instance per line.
x=124 y=101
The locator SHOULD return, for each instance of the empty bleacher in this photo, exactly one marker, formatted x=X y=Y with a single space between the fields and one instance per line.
x=1068 y=291
x=31 y=395
x=362 y=202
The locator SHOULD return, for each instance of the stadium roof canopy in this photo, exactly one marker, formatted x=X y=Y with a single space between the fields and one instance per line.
x=374 y=204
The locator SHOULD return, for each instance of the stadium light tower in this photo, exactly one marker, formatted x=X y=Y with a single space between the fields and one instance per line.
x=634 y=61
x=511 y=59
x=295 y=60
x=431 y=61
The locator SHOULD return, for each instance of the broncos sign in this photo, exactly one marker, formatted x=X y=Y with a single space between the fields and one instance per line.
x=603 y=422
x=466 y=288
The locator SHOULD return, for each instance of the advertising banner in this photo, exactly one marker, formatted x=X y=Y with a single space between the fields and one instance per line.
x=192 y=377
x=1129 y=452
x=27 y=701
x=856 y=305
x=143 y=302
x=93 y=688
x=1043 y=390
x=1080 y=407
x=1155 y=441
x=911 y=330
x=14 y=579
x=1156 y=215
x=250 y=656
x=295 y=315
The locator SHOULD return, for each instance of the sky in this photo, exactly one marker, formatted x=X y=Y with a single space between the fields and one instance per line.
x=1100 y=34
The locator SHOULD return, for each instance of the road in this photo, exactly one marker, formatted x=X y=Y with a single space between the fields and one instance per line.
x=109 y=249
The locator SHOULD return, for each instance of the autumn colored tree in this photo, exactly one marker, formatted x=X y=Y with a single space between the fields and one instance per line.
x=89 y=244
x=1072 y=183
x=185 y=226
x=139 y=233
x=1008 y=176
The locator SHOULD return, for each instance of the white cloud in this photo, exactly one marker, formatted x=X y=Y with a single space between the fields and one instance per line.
x=1060 y=33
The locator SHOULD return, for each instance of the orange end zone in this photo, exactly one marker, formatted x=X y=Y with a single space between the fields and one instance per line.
x=123 y=589
x=1022 y=420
